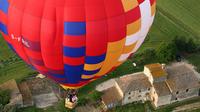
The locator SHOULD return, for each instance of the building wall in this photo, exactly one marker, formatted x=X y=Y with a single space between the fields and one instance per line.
x=157 y=100
x=182 y=95
x=111 y=105
x=153 y=97
x=17 y=100
x=119 y=90
x=148 y=74
x=135 y=96
x=164 y=100
x=160 y=79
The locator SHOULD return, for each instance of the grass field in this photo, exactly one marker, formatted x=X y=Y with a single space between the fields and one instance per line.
x=5 y=52
x=174 y=18
x=195 y=60
x=11 y=67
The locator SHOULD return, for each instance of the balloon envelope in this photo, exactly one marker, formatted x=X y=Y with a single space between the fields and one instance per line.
x=75 y=42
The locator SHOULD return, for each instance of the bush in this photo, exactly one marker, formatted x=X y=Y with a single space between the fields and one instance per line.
x=96 y=95
x=4 y=97
x=82 y=101
x=166 y=52
x=1 y=107
x=191 y=46
x=185 y=45
x=145 y=57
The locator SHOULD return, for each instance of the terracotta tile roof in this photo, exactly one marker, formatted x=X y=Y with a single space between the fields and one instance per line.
x=111 y=95
x=156 y=70
x=134 y=82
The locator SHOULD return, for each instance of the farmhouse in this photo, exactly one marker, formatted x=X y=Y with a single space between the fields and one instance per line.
x=34 y=91
x=134 y=88
x=183 y=81
x=158 y=83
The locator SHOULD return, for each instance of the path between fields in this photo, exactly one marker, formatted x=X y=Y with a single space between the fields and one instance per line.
x=188 y=107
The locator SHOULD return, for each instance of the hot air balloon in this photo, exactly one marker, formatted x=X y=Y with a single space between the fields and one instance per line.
x=75 y=42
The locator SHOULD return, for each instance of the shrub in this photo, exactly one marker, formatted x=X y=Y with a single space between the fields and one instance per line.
x=4 y=97
x=166 y=52
x=145 y=57
x=96 y=95
x=185 y=45
x=82 y=101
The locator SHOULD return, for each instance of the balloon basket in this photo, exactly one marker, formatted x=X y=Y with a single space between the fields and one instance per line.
x=70 y=105
x=71 y=99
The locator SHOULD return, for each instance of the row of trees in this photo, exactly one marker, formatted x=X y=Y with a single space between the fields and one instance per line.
x=168 y=51
x=178 y=46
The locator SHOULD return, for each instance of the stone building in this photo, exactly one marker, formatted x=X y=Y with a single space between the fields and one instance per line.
x=111 y=98
x=172 y=83
x=127 y=89
x=33 y=91
x=158 y=83
x=162 y=94
x=135 y=88
x=183 y=81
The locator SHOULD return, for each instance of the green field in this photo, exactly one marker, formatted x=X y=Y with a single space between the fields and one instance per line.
x=174 y=18
x=10 y=65
x=5 y=53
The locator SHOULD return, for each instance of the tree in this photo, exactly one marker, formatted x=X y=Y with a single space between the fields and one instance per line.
x=166 y=52
x=82 y=101
x=191 y=46
x=96 y=95
x=4 y=100
x=4 y=97
x=145 y=57
x=180 y=43
x=1 y=107
x=185 y=45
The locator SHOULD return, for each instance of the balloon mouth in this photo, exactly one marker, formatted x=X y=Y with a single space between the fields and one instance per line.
x=70 y=87
x=77 y=87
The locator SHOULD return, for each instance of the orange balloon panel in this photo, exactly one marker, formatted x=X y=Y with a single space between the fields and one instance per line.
x=75 y=42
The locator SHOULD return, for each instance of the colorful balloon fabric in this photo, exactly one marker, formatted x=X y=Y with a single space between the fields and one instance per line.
x=75 y=42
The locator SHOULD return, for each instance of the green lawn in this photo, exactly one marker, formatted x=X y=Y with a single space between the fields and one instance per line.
x=185 y=13
x=5 y=52
x=16 y=70
x=174 y=18
x=130 y=108
x=195 y=60
x=57 y=108
x=11 y=67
